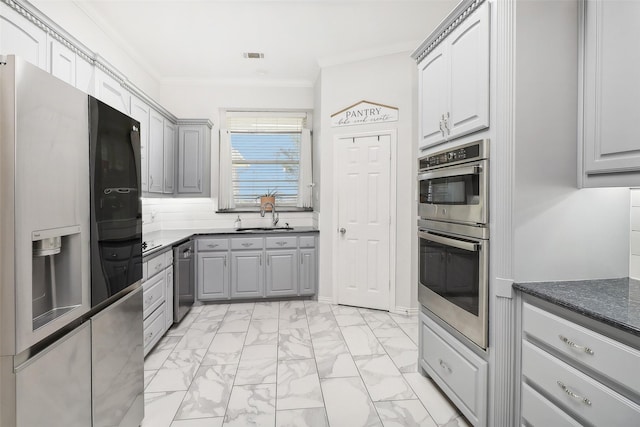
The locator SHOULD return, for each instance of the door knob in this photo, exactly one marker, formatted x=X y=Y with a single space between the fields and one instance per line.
x=342 y=230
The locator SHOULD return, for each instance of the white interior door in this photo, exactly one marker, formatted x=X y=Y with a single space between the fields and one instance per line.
x=363 y=221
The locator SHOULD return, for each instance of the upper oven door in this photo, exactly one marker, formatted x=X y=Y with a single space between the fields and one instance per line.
x=456 y=193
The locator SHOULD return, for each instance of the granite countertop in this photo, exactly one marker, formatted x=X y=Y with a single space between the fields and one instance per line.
x=615 y=302
x=162 y=240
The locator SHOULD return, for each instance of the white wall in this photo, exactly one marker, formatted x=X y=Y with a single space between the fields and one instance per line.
x=388 y=80
x=70 y=16
x=202 y=100
x=561 y=232
x=634 y=250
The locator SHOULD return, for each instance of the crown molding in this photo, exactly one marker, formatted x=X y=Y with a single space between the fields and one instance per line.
x=448 y=24
x=56 y=32
x=195 y=122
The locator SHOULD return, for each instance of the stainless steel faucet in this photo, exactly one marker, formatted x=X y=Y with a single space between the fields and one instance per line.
x=275 y=216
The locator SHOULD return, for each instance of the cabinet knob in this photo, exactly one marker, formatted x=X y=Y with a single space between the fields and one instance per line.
x=343 y=230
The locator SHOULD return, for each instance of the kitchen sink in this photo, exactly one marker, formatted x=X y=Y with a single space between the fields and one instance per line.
x=264 y=229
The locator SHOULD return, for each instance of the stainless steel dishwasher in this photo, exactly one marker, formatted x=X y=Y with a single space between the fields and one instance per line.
x=184 y=286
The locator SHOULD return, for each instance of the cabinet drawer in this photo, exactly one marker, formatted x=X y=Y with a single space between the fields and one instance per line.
x=153 y=329
x=575 y=391
x=155 y=265
x=307 y=241
x=247 y=243
x=153 y=295
x=538 y=411
x=601 y=354
x=213 y=244
x=144 y=272
x=461 y=371
x=281 y=242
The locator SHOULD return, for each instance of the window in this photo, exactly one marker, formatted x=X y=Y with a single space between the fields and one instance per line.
x=263 y=153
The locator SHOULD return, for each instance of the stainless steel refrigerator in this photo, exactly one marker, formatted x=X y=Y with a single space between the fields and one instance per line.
x=54 y=355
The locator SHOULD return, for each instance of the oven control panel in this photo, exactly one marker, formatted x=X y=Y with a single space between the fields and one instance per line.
x=474 y=151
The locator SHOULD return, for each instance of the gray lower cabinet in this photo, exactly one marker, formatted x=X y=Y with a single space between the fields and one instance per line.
x=213 y=275
x=308 y=271
x=573 y=375
x=282 y=272
x=256 y=266
x=247 y=274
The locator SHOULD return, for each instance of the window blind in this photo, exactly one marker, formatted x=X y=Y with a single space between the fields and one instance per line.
x=265 y=157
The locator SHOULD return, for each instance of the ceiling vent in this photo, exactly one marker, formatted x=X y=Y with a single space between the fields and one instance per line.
x=253 y=55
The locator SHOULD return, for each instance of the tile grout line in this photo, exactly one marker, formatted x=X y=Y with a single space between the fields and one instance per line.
x=315 y=362
x=200 y=364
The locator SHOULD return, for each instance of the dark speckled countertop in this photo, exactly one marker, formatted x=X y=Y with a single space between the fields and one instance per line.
x=615 y=302
x=160 y=241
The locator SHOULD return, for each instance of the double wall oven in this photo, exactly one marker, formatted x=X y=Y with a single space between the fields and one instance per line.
x=453 y=237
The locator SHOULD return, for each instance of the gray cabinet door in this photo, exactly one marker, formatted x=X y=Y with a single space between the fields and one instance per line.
x=247 y=274
x=169 y=157
x=213 y=276
x=308 y=271
x=282 y=273
x=156 y=152
x=611 y=67
x=140 y=112
x=190 y=159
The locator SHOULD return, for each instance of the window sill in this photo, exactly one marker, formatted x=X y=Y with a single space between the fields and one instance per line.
x=279 y=209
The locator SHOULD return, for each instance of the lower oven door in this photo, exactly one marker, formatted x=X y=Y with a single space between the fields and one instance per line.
x=453 y=281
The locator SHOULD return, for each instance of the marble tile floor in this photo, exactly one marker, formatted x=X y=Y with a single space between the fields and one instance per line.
x=291 y=363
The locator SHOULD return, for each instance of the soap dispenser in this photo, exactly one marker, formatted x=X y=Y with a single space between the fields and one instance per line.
x=238 y=223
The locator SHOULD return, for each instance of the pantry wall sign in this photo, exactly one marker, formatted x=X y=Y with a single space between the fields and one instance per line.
x=364 y=113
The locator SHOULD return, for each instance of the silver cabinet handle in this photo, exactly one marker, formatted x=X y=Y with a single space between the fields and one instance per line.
x=268 y=257
x=148 y=337
x=301 y=259
x=570 y=343
x=260 y=259
x=225 y=260
x=442 y=125
x=573 y=395
x=445 y=119
x=444 y=365
x=158 y=267
x=246 y=245
x=212 y=246
x=150 y=179
x=342 y=230
x=281 y=243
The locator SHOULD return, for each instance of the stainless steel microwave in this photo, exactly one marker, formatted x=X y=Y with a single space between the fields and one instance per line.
x=453 y=185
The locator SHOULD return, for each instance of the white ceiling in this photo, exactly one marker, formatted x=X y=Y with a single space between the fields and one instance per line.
x=178 y=40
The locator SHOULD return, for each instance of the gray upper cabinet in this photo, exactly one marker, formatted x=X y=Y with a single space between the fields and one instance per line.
x=194 y=159
x=454 y=82
x=169 y=141
x=611 y=145
x=18 y=37
x=156 y=152
x=282 y=272
x=140 y=111
x=247 y=274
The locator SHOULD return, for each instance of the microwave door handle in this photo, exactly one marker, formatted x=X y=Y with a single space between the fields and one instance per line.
x=442 y=173
x=465 y=246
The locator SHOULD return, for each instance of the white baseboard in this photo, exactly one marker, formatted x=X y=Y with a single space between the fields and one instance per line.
x=326 y=300
x=406 y=311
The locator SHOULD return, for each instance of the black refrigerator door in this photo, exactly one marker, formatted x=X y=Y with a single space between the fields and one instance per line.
x=116 y=208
